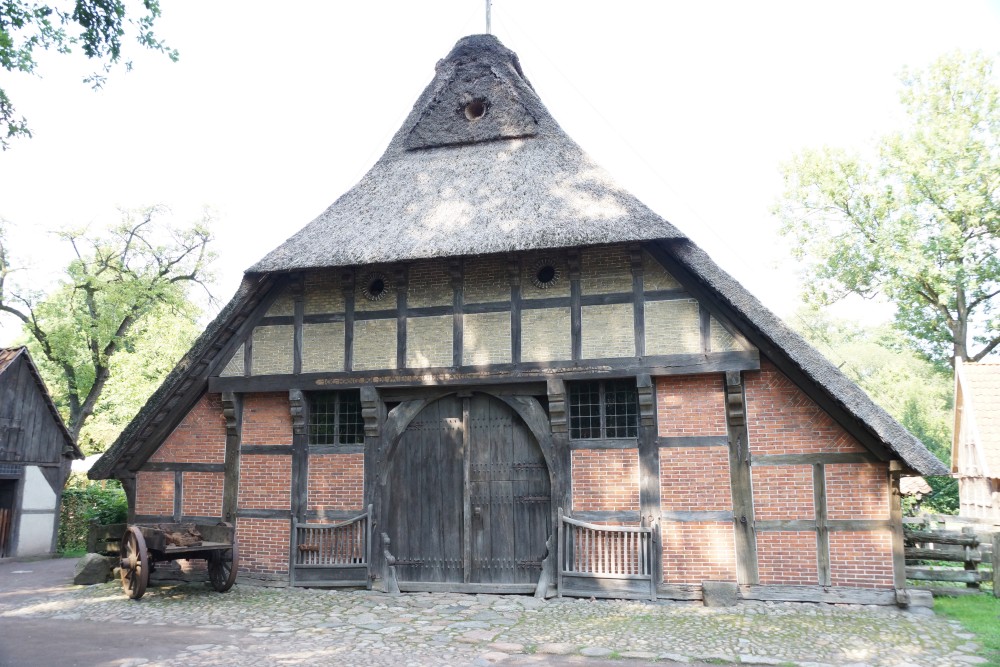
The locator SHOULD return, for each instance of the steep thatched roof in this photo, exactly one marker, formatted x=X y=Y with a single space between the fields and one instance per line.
x=479 y=166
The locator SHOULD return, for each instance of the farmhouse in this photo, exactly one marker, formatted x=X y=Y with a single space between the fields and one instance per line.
x=504 y=373
x=35 y=455
x=975 y=452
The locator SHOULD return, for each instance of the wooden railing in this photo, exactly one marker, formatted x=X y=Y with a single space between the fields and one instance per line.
x=332 y=554
x=975 y=543
x=605 y=561
x=6 y=516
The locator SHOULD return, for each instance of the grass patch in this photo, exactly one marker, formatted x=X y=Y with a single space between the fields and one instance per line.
x=73 y=553
x=979 y=614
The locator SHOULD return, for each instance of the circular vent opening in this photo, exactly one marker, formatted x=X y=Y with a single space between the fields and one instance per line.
x=475 y=109
x=376 y=287
x=546 y=274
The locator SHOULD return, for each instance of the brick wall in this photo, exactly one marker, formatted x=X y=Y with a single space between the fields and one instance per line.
x=374 y=344
x=861 y=559
x=691 y=405
x=783 y=492
x=697 y=552
x=267 y=420
x=265 y=482
x=154 y=493
x=695 y=479
x=857 y=491
x=202 y=494
x=336 y=482
x=605 y=480
x=429 y=341
x=783 y=420
x=787 y=557
x=264 y=545
x=199 y=438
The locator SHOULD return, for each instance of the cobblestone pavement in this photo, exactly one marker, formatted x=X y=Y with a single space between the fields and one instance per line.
x=272 y=626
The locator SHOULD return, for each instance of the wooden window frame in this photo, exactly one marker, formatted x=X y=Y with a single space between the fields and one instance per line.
x=603 y=439
x=338 y=439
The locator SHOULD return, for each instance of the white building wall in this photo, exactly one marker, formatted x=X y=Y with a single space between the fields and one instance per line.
x=36 y=528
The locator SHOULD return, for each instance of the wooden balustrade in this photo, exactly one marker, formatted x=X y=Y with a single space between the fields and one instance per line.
x=605 y=561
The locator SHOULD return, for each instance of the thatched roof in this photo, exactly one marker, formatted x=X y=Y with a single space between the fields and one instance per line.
x=480 y=167
x=450 y=185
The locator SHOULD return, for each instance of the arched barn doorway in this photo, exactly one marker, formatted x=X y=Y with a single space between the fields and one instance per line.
x=469 y=498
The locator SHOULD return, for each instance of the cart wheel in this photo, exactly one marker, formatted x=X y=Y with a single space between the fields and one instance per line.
x=222 y=567
x=134 y=563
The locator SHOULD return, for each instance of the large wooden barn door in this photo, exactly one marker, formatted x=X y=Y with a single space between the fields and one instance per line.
x=470 y=499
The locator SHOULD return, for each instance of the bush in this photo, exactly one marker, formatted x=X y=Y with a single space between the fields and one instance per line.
x=84 y=501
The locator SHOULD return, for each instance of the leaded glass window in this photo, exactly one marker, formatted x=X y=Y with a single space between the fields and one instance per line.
x=335 y=418
x=600 y=409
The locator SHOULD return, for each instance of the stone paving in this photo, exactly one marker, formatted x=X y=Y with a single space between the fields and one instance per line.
x=274 y=626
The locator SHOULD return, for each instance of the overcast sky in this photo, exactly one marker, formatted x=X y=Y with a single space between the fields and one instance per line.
x=275 y=109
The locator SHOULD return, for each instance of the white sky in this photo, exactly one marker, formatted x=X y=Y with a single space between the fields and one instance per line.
x=275 y=109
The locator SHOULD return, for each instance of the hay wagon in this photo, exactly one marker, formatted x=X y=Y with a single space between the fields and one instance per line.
x=142 y=546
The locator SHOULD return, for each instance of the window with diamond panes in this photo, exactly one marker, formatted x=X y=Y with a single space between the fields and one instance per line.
x=335 y=418
x=603 y=409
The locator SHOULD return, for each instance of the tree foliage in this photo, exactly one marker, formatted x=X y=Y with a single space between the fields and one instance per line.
x=119 y=295
x=99 y=28
x=917 y=222
x=916 y=392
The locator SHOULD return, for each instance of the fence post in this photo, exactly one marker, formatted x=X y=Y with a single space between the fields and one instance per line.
x=969 y=564
x=996 y=564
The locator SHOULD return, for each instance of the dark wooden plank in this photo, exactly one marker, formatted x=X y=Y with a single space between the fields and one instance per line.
x=804 y=525
x=605 y=443
x=402 y=281
x=263 y=514
x=347 y=285
x=541 y=303
x=666 y=295
x=272 y=450
x=300 y=312
x=467 y=491
x=274 y=320
x=822 y=533
x=898 y=548
x=360 y=315
x=680 y=364
x=299 y=406
x=514 y=274
x=316 y=450
x=947 y=574
x=456 y=272
x=323 y=318
x=623 y=516
x=638 y=302
x=811 y=459
x=178 y=493
x=232 y=410
x=166 y=466
x=488 y=307
x=694 y=441
x=575 y=306
x=248 y=354
x=842 y=525
x=740 y=481
x=705 y=323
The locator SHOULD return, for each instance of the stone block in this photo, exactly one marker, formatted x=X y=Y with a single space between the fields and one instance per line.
x=719 y=593
x=93 y=569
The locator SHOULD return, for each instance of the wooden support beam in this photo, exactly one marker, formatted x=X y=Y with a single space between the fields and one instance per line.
x=456 y=271
x=299 y=407
x=347 y=285
x=232 y=410
x=638 y=302
x=514 y=275
x=297 y=286
x=896 y=521
x=575 y=308
x=178 y=494
x=822 y=531
x=402 y=279
x=740 y=479
x=649 y=468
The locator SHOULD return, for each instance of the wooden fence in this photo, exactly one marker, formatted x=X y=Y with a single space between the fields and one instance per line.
x=968 y=543
x=332 y=554
x=605 y=561
x=105 y=539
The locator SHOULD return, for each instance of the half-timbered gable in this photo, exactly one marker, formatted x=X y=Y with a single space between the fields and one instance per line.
x=527 y=381
x=975 y=452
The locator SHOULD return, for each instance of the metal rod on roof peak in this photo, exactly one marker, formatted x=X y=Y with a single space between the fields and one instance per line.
x=489 y=7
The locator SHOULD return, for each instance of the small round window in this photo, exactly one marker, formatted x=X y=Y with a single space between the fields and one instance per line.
x=546 y=274
x=376 y=287
x=475 y=109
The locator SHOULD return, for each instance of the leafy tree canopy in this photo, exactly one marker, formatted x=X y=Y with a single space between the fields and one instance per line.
x=99 y=28
x=917 y=222
x=113 y=313
x=916 y=392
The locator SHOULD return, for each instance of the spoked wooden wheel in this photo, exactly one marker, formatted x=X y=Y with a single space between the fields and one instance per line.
x=222 y=567
x=134 y=563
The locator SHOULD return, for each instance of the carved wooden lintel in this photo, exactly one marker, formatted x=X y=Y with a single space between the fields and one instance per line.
x=231 y=412
x=297 y=406
x=557 y=404
x=735 y=410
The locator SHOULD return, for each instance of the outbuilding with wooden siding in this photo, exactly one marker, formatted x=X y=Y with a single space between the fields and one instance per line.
x=35 y=455
x=518 y=378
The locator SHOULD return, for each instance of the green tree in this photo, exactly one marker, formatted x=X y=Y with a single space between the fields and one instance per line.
x=919 y=220
x=916 y=392
x=98 y=27
x=118 y=296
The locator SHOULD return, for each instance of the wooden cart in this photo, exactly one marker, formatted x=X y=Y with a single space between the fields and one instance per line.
x=144 y=546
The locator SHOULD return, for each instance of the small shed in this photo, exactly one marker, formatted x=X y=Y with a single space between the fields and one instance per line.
x=495 y=361
x=36 y=450
x=975 y=452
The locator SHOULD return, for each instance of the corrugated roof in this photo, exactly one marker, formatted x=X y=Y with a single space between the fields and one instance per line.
x=982 y=385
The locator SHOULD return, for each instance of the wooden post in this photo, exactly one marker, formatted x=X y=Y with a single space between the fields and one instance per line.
x=896 y=521
x=740 y=480
x=996 y=564
x=970 y=565
x=232 y=409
